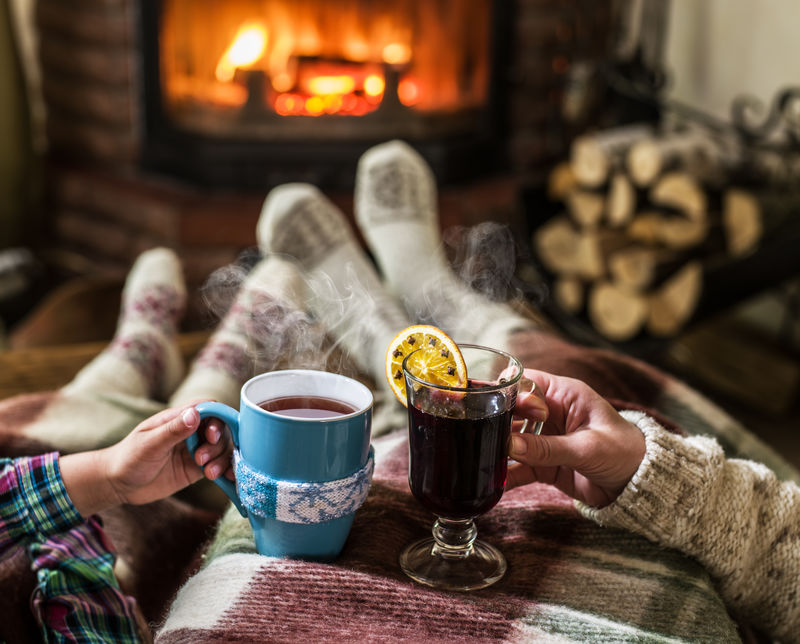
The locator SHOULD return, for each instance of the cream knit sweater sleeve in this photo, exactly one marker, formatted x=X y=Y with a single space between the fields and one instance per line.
x=734 y=516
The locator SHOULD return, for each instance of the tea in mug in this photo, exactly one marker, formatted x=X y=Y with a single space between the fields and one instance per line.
x=314 y=407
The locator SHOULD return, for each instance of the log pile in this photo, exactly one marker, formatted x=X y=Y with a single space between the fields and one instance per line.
x=645 y=213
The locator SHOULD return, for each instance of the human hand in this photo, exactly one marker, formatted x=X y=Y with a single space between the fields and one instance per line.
x=150 y=463
x=586 y=449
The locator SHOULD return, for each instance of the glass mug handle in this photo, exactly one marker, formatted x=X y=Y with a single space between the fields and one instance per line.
x=537 y=425
x=230 y=417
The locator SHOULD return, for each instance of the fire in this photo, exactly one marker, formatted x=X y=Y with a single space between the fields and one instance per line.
x=318 y=57
x=331 y=85
x=397 y=53
x=374 y=85
x=247 y=47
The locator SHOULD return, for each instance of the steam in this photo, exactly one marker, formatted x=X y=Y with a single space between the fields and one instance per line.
x=484 y=257
x=360 y=316
x=309 y=325
x=344 y=323
x=467 y=302
x=282 y=334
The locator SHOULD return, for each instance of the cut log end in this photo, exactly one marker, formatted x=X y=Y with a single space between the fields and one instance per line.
x=564 y=250
x=560 y=182
x=742 y=221
x=589 y=163
x=615 y=312
x=621 y=201
x=568 y=293
x=644 y=162
x=680 y=191
x=672 y=305
x=585 y=207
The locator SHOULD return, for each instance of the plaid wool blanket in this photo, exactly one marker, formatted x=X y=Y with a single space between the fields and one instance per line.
x=568 y=580
x=199 y=579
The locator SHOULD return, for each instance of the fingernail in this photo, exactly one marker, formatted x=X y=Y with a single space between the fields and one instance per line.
x=518 y=445
x=204 y=458
x=215 y=435
x=188 y=416
x=212 y=472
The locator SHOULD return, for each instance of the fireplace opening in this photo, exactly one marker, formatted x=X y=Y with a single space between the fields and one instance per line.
x=253 y=93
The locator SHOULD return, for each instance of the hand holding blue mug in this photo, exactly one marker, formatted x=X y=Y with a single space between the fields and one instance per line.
x=303 y=460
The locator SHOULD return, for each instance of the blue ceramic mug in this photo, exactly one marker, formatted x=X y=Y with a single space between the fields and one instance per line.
x=303 y=460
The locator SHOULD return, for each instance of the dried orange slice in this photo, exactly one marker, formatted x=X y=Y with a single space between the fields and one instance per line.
x=439 y=360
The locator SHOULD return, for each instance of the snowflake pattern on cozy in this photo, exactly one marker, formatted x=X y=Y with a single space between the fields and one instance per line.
x=302 y=502
x=158 y=305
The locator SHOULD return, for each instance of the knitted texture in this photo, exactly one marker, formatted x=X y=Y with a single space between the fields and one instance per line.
x=396 y=207
x=345 y=293
x=262 y=326
x=734 y=516
x=301 y=501
x=143 y=358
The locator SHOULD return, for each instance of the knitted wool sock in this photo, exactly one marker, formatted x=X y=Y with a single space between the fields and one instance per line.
x=143 y=359
x=396 y=210
x=346 y=294
x=263 y=325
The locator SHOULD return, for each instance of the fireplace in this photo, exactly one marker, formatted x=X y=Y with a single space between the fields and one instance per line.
x=140 y=157
x=251 y=93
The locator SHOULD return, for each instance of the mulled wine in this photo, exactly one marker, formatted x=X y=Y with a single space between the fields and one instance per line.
x=458 y=440
x=314 y=407
x=458 y=453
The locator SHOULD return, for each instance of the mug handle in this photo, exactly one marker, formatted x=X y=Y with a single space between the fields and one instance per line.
x=231 y=418
x=537 y=426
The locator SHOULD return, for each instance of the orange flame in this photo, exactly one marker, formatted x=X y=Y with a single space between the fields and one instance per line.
x=246 y=48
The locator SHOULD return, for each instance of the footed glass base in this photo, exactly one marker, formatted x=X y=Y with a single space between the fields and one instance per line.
x=426 y=562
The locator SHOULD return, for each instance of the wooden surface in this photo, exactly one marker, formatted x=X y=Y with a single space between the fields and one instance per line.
x=45 y=368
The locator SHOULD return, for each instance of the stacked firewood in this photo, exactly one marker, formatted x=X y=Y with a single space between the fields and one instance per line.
x=645 y=214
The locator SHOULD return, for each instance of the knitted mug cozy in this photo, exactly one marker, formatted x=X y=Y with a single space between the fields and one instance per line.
x=300 y=501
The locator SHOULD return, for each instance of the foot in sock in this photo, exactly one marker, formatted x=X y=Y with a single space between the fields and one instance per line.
x=345 y=293
x=396 y=210
x=142 y=359
x=265 y=322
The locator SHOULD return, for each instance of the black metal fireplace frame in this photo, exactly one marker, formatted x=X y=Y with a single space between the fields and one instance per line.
x=221 y=163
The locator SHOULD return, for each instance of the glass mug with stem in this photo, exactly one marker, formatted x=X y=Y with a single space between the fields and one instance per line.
x=458 y=445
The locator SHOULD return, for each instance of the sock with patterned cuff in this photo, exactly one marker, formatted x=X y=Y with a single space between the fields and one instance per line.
x=143 y=359
x=264 y=323
x=397 y=213
x=345 y=293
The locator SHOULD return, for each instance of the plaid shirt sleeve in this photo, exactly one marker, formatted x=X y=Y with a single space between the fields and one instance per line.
x=77 y=597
